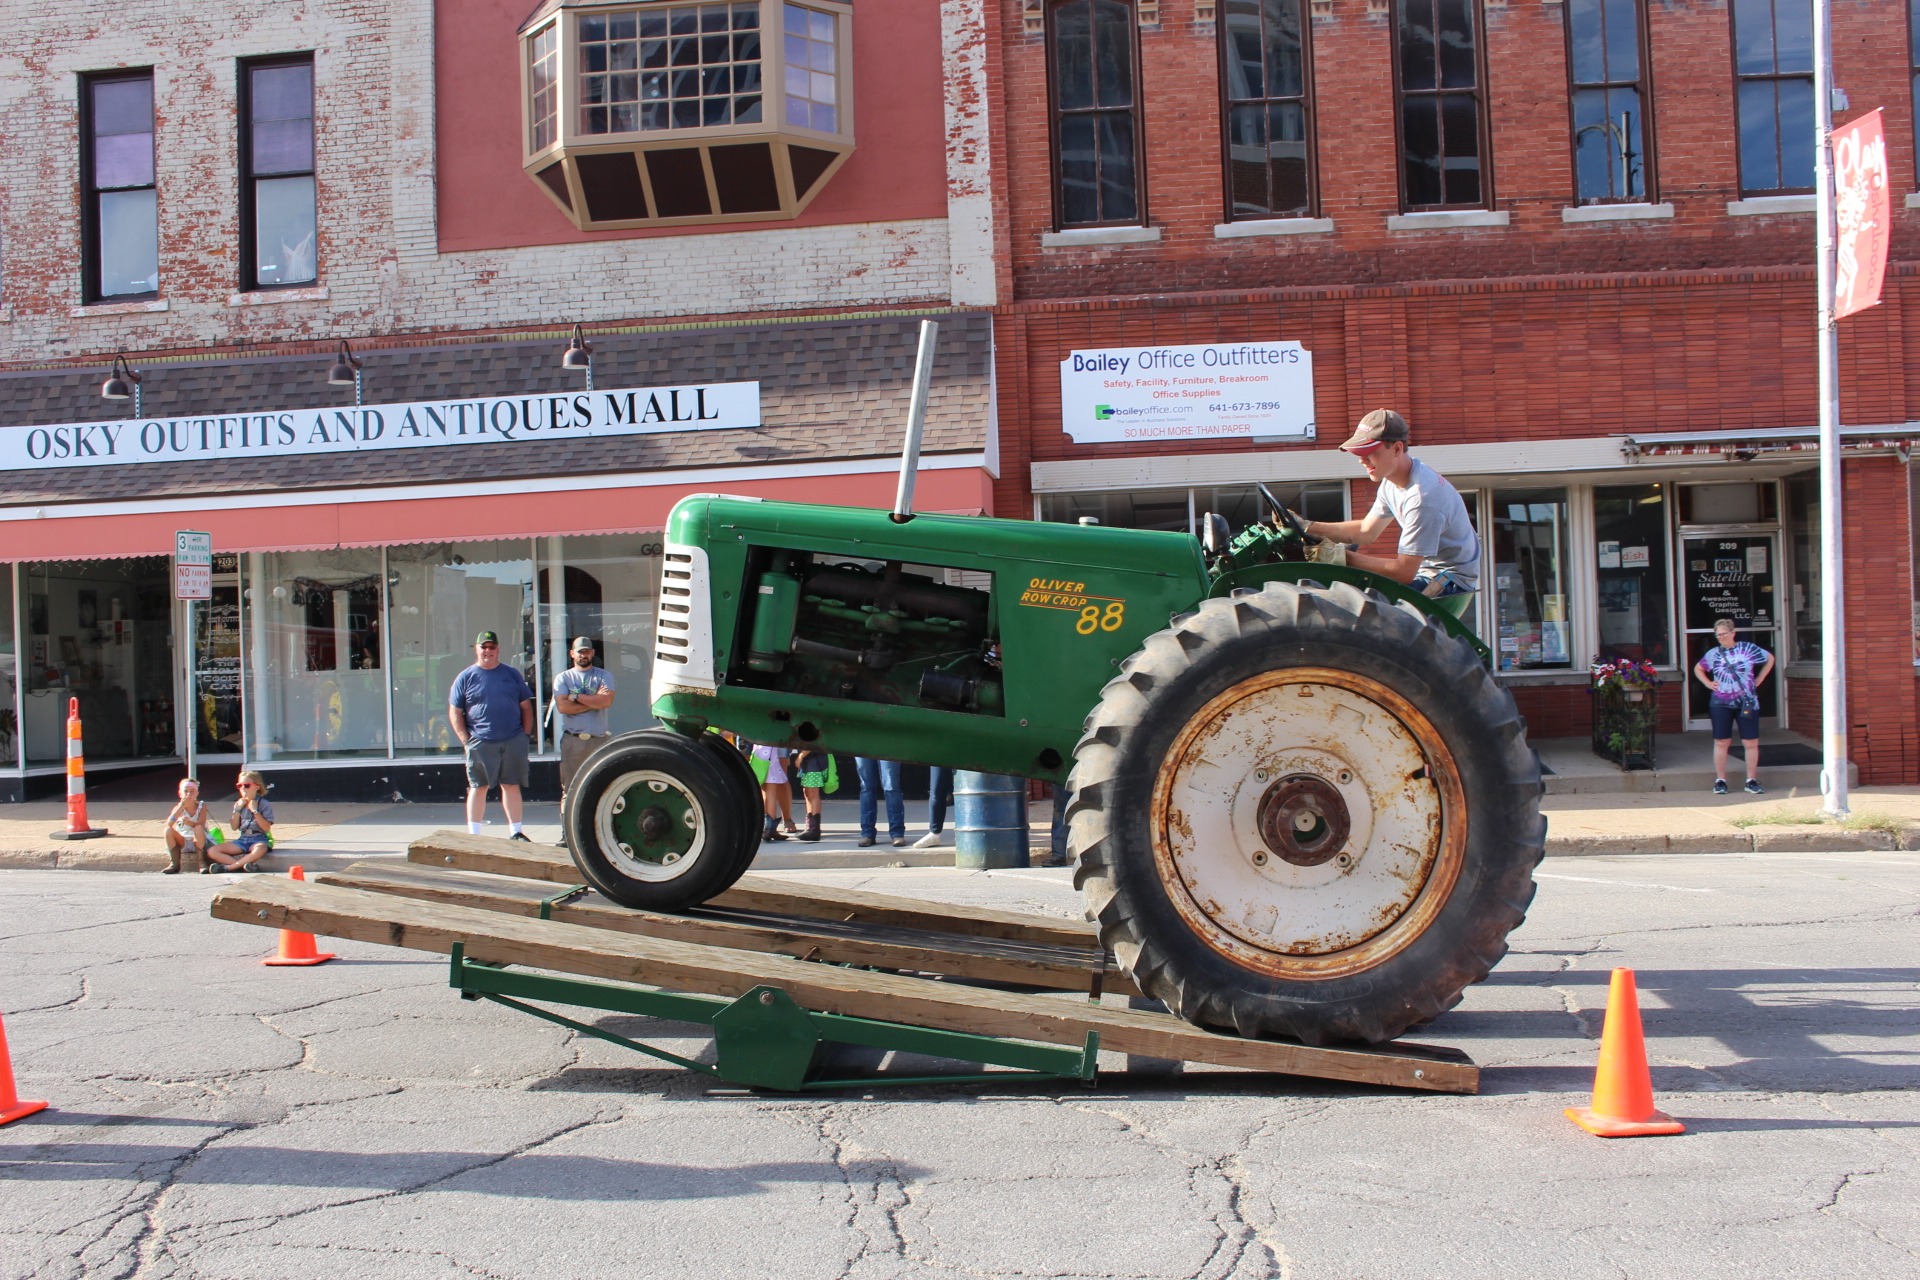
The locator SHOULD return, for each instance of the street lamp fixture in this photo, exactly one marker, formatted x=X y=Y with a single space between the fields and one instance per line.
x=122 y=384
x=579 y=355
x=345 y=371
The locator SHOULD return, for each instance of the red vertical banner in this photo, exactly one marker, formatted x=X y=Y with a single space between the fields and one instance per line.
x=1863 y=214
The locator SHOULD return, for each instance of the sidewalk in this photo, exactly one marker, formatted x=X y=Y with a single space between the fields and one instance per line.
x=1578 y=823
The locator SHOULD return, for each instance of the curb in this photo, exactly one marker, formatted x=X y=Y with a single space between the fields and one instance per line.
x=1765 y=839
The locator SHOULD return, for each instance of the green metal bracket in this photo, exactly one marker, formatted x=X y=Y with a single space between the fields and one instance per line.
x=764 y=1039
x=548 y=903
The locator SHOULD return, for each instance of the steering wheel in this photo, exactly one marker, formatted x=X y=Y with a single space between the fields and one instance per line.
x=1283 y=516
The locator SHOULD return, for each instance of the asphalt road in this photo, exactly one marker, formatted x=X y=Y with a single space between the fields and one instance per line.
x=217 y=1119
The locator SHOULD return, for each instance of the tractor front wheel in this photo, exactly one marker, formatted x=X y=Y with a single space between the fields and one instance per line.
x=655 y=822
x=1306 y=811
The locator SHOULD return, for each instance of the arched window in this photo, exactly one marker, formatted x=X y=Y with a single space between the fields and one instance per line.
x=1093 y=84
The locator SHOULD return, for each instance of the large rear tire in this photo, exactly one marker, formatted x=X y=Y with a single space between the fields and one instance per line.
x=655 y=823
x=1308 y=812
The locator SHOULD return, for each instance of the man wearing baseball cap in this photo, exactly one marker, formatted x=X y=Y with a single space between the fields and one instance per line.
x=491 y=707
x=581 y=695
x=1439 y=552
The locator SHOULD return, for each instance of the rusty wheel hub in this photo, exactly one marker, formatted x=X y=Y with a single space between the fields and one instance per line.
x=1304 y=820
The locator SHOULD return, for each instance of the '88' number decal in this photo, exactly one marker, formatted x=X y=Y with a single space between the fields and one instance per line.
x=1094 y=618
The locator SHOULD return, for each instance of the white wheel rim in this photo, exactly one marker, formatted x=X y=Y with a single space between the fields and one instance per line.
x=635 y=787
x=1336 y=736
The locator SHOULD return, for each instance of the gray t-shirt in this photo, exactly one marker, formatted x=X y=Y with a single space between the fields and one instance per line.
x=573 y=682
x=1433 y=524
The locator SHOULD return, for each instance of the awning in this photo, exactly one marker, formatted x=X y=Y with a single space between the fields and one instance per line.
x=1743 y=446
x=465 y=512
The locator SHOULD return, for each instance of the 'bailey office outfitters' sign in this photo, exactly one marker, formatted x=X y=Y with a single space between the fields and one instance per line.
x=1214 y=391
x=318 y=432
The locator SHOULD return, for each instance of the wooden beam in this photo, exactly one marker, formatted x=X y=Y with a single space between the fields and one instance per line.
x=832 y=942
x=499 y=857
x=570 y=948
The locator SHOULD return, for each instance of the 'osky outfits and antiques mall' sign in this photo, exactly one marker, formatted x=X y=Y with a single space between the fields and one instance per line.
x=318 y=432
x=1215 y=391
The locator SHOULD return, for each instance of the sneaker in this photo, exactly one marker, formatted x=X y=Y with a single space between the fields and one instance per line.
x=1754 y=788
x=520 y=836
x=899 y=842
x=865 y=842
x=931 y=840
x=1719 y=786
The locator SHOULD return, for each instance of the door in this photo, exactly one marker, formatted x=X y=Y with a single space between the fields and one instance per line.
x=215 y=703
x=1730 y=575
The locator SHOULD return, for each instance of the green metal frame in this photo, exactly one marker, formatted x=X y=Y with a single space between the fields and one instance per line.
x=764 y=1039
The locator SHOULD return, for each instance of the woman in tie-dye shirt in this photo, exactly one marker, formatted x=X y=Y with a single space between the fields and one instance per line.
x=1733 y=669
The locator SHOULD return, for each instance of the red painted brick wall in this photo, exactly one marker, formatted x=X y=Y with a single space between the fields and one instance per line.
x=1566 y=710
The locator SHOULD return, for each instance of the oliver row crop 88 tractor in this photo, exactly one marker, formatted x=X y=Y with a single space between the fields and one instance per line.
x=1301 y=805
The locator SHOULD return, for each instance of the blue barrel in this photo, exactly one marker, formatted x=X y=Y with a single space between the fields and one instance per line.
x=989 y=820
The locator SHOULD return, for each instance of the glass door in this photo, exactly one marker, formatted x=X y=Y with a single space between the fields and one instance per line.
x=215 y=705
x=1730 y=575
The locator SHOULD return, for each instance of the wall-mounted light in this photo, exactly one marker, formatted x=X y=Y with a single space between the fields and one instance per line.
x=579 y=355
x=345 y=371
x=122 y=384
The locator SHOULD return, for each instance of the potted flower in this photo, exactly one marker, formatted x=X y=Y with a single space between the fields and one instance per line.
x=1624 y=710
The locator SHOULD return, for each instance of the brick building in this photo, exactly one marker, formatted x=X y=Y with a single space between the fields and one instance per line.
x=744 y=207
x=1571 y=240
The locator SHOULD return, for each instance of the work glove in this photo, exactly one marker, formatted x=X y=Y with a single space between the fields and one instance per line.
x=1329 y=552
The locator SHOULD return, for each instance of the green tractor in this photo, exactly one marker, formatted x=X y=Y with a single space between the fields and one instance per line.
x=1301 y=804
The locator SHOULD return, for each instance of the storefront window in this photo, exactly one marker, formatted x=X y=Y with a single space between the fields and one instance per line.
x=603 y=588
x=1630 y=529
x=1529 y=579
x=1803 y=533
x=315 y=623
x=100 y=631
x=9 y=666
x=440 y=596
x=1177 y=510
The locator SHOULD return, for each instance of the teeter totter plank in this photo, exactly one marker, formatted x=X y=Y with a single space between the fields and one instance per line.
x=954 y=956
x=498 y=857
x=495 y=938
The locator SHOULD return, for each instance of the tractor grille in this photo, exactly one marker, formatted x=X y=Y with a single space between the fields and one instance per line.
x=683 y=638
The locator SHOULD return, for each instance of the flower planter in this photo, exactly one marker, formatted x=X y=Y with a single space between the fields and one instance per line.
x=1625 y=713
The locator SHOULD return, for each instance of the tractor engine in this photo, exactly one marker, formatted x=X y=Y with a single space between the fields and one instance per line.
x=867 y=632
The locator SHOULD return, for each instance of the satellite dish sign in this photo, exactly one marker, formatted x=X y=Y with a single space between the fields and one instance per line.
x=1863 y=214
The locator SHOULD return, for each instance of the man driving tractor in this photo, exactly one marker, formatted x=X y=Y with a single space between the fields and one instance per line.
x=1439 y=552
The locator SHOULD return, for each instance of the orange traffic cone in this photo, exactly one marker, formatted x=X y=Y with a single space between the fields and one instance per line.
x=1622 y=1087
x=77 y=828
x=297 y=948
x=12 y=1106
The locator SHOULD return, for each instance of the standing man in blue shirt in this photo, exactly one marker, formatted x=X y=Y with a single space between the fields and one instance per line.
x=491 y=708
x=581 y=695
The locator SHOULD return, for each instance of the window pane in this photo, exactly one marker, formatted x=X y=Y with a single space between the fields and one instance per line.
x=1793 y=35
x=1073 y=55
x=1803 y=532
x=1623 y=40
x=1247 y=159
x=1117 y=202
x=1753 y=37
x=1460 y=140
x=1163 y=509
x=1529 y=579
x=282 y=146
x=1112 y=46
x=1458 y=69
x=1420 y=135
x=1418 y=69
x=123 y=160
x=1287 y=157
x=283 y=93
x=100 y=631
x=1796 y=133
x=129 y=242
x=443 y=595
x=1586 y=33
x=1630 y=526
x=1246 y=56
x=284 y=231
x=1079 y=172
x=318 y=689
x=1284 y=71
x=1608 y=151
x=122 y=106
x=1759 y=161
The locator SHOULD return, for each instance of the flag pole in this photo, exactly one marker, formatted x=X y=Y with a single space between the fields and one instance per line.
x=1833 y=671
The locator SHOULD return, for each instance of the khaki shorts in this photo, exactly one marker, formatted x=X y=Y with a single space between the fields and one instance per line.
x=574 y=751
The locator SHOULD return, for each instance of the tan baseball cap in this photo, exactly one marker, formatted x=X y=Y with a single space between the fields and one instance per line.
x=1382 y=426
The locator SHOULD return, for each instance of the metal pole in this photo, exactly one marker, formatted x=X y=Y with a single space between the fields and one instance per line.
x=916 y=420
x=1833 y=671
x=193 y=697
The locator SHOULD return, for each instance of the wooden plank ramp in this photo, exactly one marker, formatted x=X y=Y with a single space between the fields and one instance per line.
x=1045 y=965
x=525 y=861
x=499 y=938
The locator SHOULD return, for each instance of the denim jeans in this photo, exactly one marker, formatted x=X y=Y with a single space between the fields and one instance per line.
x=939 y=796
x=877 y=776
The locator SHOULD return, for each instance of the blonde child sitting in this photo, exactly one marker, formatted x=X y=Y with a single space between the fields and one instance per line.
x=252 y=836
x=186 y=827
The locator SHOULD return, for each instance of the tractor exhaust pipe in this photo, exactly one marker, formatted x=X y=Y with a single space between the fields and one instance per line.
x=916 y=422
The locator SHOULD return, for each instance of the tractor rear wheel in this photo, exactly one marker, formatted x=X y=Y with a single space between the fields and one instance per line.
x=655 y=822
x=1306 y=811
